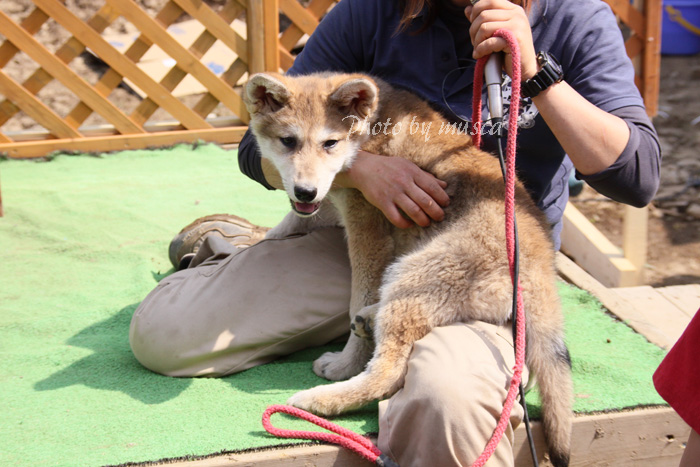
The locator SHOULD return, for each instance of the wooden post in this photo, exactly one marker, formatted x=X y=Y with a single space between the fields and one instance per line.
x=651 y=67
x=255 y=36
x=272 y=32
x=634 y=239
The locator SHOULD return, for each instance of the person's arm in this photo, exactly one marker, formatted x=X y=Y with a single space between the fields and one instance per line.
x=597 y=141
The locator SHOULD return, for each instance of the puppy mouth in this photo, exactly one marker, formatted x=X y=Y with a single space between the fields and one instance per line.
x=305 y=209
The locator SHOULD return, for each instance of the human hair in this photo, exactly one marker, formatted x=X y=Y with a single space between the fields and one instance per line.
x=410 y=9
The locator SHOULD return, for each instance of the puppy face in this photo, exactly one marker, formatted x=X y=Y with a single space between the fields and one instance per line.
x=310 y=128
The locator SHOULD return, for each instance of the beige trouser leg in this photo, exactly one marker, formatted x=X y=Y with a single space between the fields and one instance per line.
x=242 y=308
x=456 y=383
x=246 y=307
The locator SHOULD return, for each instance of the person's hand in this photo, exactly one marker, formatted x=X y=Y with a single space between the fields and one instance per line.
x=488 y=16
x=395 y=186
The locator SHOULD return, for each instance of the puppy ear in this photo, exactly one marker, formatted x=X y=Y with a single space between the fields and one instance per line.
x=264 y=93
x=357 y=96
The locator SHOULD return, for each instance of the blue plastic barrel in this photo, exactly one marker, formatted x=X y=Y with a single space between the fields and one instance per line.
x=680 y=27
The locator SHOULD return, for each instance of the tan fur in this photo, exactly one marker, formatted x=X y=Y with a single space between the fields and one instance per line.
x=409 y=281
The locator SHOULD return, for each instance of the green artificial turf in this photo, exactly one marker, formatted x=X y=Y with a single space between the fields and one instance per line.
x=85 y=238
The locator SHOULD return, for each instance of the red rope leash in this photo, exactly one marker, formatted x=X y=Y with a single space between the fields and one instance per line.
x=343 y=436
x=510 y=224
x=363 y=446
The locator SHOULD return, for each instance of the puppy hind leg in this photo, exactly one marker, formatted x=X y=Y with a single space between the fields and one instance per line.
x=384 y=373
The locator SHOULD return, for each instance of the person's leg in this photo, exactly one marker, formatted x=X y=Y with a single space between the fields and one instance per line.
x=691 y=455
x=242 y=308
x=457 y=380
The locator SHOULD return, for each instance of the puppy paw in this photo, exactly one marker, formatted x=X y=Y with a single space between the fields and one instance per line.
x=336 y=366
x=315 y=400
x=362 y=327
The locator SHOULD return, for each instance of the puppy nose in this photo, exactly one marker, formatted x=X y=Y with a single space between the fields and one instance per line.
x=305 y=195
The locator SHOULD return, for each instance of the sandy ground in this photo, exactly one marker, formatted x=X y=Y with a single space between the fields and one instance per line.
x=674 y=227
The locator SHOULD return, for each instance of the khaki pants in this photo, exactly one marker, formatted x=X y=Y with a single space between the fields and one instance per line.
x=237 y=308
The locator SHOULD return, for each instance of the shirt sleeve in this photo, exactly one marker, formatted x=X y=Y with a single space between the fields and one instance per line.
x=634 y=177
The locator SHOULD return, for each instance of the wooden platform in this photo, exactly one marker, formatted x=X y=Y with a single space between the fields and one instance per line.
x=644 y=437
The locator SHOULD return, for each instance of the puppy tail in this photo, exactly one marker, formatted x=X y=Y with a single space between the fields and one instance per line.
x=548 y=358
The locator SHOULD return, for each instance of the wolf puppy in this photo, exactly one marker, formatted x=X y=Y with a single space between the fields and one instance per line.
x=408 y=281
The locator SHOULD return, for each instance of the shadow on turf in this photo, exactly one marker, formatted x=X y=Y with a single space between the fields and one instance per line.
x=112 y=366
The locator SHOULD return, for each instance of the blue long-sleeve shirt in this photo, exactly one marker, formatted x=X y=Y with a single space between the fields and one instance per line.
x=436 y=64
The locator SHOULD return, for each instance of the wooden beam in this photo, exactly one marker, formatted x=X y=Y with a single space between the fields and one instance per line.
x=35 y=149
x=216 y=26
x=35 y=108
x=121 y=64
x=255 y=36
x=272 y=32
x=594 y=252
x=651 y=67
x=70 y=79
x=184 y=58
x=634 y=239
x=648 y=437
x=666 y=318
x=111 y=78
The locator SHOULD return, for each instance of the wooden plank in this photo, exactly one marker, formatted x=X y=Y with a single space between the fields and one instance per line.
x=291 y=35
x=634 y=239
x=147 y=107
x=35 y=149
x=122 y=64
x=300 y=16
x=653 y=307
x=107 y=130
x=629 y=15
x=32 y=23
x=34 y=107
x=652 y=56
x=111 y=79
x=612 y=301
x=272 y=31
x=256 y=36
x=71 y=80
x=182 y=56
x=685 y=297
x=648 y=437
x=286 y=59
x=66 y=53
x=231 y=76
x=594 y=252
x=216 y=26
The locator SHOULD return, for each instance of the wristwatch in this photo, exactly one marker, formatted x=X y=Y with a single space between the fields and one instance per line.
x=550 y=73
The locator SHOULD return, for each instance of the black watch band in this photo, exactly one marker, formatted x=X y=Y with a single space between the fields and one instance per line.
x=550 y=73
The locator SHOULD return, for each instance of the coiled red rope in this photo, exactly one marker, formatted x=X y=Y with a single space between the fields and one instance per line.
x=363 y=446
x=343 y=437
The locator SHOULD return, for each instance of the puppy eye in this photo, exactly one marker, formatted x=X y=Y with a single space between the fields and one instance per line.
x=289 y=142
x=330 y=144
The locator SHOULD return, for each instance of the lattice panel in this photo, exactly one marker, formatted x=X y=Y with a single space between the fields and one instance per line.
x=304 y=21
x=123 y=128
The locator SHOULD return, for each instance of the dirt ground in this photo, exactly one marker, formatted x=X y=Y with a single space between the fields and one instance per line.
x=674 y=224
